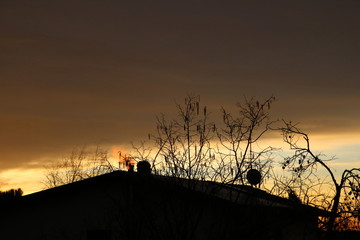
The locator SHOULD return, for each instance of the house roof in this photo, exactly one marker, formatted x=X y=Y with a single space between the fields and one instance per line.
x=245 y=195
x=237 y=194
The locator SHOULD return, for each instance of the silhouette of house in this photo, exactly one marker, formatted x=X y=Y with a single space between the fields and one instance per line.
x=124 y=205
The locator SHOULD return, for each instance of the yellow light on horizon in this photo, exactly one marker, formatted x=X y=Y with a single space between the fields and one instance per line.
x=29 y=180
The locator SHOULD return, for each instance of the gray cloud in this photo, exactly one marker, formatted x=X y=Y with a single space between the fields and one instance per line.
x=81 y=72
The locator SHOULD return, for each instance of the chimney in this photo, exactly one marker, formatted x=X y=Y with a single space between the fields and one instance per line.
x=144 y=168
x=130 y=167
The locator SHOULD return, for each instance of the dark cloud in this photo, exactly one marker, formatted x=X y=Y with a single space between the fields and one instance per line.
x=81 y=72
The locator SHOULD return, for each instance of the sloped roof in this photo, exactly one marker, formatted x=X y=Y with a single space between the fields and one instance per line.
x=244 y=195
x=237 y=194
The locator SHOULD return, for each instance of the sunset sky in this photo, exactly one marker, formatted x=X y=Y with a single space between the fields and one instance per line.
x=85 y=72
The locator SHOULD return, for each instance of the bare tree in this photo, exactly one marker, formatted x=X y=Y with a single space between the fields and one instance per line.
x=77 y=165
x=239 y=150
x=191 y=146
x=184 y=144
x=345 y=201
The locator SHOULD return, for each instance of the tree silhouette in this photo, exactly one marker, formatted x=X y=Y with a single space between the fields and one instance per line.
x=184 y=144
x=346 y=200
x=238 y=136
x=11 y=194
x=77 y=165
x=191 y=146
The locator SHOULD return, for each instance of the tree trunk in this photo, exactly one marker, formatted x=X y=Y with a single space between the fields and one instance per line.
x=334 y=209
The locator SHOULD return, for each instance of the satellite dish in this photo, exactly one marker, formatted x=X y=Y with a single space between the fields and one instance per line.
x=253 y=176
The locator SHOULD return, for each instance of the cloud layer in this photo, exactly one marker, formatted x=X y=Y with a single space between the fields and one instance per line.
x=87 y=72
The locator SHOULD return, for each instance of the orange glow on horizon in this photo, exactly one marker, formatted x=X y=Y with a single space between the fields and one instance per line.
x=125 y=160
x=115 y=150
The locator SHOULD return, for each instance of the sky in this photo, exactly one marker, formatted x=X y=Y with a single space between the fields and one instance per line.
x=87 y=72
